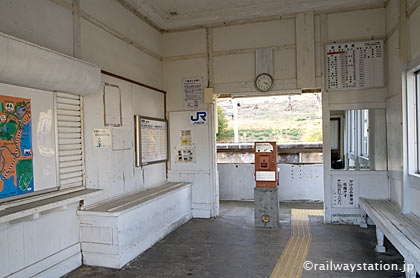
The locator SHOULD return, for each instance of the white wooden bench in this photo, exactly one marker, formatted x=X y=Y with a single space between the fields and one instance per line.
x=402 y=230
x=116 y=231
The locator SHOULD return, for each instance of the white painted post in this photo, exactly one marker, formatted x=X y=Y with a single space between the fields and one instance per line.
x=325 y=124
x=410 y=269
x=380 y=248
x=235 y=120
x=363 y=223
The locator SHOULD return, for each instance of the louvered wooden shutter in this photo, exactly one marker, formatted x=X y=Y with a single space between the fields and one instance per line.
x=70 y=140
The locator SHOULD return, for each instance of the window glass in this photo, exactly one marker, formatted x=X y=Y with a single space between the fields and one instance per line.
x=365 y=133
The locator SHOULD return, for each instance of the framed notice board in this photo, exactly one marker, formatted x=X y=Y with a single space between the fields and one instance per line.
x=355 y=65
x=151 y=140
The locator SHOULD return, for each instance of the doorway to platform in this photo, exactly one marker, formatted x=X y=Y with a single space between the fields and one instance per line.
x=294 y=122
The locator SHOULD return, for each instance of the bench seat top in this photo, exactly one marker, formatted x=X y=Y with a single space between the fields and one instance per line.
x=403 y=230
x=133 y=199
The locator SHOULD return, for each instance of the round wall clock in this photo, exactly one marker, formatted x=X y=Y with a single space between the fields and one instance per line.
x=264 y=82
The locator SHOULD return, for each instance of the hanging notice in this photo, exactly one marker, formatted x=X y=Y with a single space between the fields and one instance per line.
x=102 y=138
x=152 y=140
x=345 y=192
x=355 y=65
x=16 y=166
x=193 y=92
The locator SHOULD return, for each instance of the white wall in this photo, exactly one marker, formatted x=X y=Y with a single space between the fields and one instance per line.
x=47 y=24
x=414 y=38
x=113 y=169
x=296 y=182
x=119 y=42
x=402 y=189
x=394 y=103
x=50 y=242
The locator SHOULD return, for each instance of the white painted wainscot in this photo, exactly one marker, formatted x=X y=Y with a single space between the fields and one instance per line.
x=115 y=232
x=39 y=235
x=302 y=182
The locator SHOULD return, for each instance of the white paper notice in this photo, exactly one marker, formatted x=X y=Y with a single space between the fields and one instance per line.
x=193 y=92
x=265 y=176
x=102 y=138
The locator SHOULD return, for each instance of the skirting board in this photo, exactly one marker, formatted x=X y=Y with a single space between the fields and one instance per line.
x=53 y=266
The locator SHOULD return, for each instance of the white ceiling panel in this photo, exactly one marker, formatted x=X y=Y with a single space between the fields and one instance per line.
x=170 y=14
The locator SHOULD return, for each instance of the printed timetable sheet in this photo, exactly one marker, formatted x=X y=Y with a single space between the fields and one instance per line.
x=355 y=65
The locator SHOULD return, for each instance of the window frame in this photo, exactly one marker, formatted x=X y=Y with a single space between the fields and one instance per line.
x=364 y=121
x=417 y=119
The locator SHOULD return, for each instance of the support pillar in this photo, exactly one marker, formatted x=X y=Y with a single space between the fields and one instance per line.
x=266 y=211
x=380 y=248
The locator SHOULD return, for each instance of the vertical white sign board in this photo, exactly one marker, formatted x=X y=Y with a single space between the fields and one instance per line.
x=193 y=92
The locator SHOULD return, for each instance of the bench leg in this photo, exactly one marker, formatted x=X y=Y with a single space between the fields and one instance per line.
x=380 y=248
x=410 y=270
x=363 y=223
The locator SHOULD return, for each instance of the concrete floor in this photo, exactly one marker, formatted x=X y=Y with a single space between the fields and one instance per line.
x=231 y=246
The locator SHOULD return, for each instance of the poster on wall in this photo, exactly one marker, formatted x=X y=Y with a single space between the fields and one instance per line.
x=16 y=165
x=186 y=139
x=193 y=92
x=346 y=193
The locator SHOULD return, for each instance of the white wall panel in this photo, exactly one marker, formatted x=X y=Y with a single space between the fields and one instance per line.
x=116 y=56
x=349 y=97
x=285 y=64
x=147 y=102
x=394 y=135
x=394 y=66
x=415 y=205
x=296 y=182
x=174 y=73
x=38 y=21
x=392 y=15
x=113 y=169
x=234 y=68
x=117 y=17
x=34 y=241
x=414 y=23
x=256 y=35
x=356 y=25
x=395 y=188
x=184 y=43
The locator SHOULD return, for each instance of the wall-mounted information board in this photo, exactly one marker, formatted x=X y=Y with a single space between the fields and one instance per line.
x=355 y=65
x=345 y=192
x=151 y=140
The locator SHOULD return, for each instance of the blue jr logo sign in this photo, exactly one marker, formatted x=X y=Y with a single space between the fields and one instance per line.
x=198 y=118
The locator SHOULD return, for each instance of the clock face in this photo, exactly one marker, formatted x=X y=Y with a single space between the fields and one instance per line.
x=264 y=82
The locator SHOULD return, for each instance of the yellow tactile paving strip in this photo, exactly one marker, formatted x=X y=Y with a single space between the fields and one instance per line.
x=294 y=255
